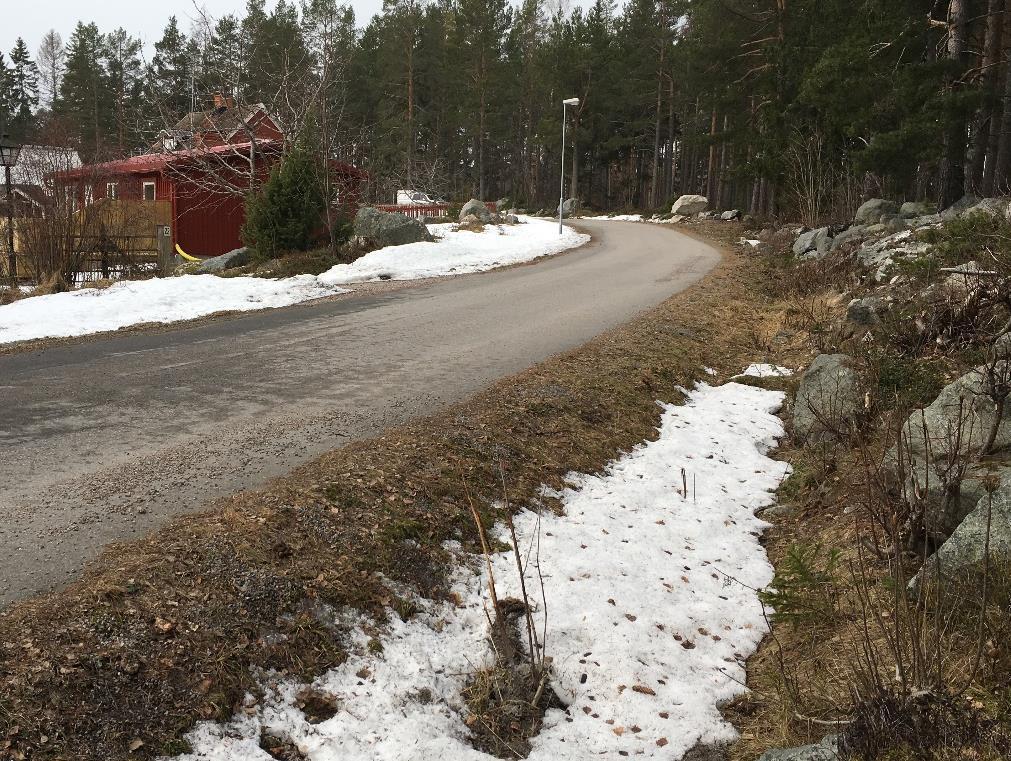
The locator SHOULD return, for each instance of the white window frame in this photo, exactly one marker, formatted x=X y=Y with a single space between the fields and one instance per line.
x=112 y=190
x=154 y=190
x=89 y=194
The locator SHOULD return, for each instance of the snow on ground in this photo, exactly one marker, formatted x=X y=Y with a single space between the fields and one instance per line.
x=766 y=371
x=618 y=218
x=131 y=302
x=651 y=612
x=458 y=251
x=91 y=310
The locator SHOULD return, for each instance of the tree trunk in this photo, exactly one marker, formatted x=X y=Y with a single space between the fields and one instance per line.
x=988 y=81
x=951 y=180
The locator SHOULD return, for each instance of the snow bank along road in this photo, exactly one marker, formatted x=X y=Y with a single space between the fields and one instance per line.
x=107 y=439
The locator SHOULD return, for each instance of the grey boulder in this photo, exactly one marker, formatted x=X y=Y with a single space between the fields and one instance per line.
x=475 y=208
x=730 y=215
x=913 y=209
x=852 y=234
x=383 y=228
x=871 y=212
x=817 y=241
x=569 y=206
x=989 y=207
x=828 y=399
x=955 y=210
x=961 y=417
x=234 y=258
x=826 y=750
x=689 y=205
x=502 y=204
x=865 y=312
x=963 y=554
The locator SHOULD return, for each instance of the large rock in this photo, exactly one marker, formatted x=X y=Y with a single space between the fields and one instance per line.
x=569 y=207
x=730 y=215
x=963 y=555
x=384 y=228
x=852 y=234
x=475 y=208
x=690 y=205
x=502 y=204
x=234 y=258
x=871 y=212
x=988 y=207
x=828 y=399
x=956 y=209
x=826 y=750
x=913 y=209
x=961 y=416
x=817 y=241
x=865 y=312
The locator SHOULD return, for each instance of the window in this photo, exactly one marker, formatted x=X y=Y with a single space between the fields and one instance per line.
x=112 y=190
x=89 y=194
x=149 y=191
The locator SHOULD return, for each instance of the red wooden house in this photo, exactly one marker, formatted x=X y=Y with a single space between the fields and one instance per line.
x=195 y=179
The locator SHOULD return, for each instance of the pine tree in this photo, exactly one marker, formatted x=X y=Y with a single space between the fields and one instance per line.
x=126 y=86
x=23 y=92
x=85 y=101
x=171 y=73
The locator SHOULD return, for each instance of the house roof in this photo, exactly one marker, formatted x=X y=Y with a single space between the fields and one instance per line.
x=223 y=120
x=150 y=163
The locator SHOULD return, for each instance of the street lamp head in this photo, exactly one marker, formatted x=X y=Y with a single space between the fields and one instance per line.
x=570 y=102
x=9 y=151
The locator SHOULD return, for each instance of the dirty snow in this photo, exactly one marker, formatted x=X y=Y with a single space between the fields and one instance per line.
x=458 y=251
x=649 y=578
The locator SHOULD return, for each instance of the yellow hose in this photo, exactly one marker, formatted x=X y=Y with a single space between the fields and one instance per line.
x=186 y=256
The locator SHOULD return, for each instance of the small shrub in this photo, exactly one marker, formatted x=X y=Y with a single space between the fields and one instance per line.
x=905 y=382
x=806 y=588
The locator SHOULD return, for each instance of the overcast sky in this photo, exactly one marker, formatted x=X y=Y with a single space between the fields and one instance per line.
x=33 y=18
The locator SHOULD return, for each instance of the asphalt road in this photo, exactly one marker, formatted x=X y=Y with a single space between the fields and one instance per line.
x=109 y=438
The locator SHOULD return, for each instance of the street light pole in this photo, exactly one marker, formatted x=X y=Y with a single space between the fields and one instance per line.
x=12 y=261
x=561 y=180
x=9 y=152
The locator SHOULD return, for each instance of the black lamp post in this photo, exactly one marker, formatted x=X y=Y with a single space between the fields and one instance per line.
x=9 y=152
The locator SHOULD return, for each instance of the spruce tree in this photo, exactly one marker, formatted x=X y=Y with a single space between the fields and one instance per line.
x=85 y=102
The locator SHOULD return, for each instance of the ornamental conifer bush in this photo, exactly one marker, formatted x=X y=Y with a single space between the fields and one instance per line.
x=286 y=213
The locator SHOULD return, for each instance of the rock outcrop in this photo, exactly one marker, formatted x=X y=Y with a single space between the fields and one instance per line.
x=475 y=208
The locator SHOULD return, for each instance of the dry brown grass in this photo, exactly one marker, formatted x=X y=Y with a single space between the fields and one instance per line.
x=161 y=632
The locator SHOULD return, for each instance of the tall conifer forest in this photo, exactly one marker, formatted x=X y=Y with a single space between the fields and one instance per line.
x=793 y=108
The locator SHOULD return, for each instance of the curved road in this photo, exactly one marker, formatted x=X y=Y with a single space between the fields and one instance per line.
x=109 y=438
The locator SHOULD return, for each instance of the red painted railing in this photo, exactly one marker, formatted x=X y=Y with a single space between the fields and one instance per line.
x=429 y=210
x=411 y=210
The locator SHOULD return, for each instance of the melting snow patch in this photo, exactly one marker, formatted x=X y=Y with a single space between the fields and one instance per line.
x=766 y=371
x=649 y=579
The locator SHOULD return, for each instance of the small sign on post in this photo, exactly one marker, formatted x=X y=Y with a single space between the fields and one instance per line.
x=166 y=257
